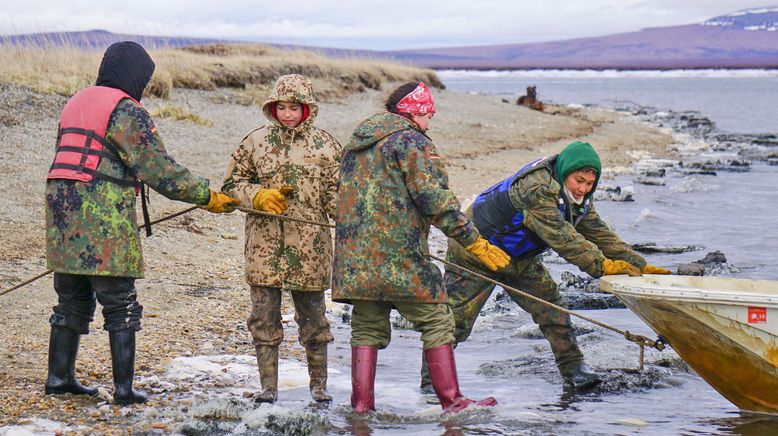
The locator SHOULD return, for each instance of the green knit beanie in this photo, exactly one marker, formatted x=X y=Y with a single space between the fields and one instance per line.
x=575 y=156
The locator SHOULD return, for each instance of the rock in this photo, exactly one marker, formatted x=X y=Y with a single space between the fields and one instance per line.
x=220 y=408
x=651 y=181
x=590 y=301
x=579 y=292
x=713 y=257
x=658 y=172
x=613 y=193
x=651 y=247
x=713 y=264
x=690 y=269
x=730 y=165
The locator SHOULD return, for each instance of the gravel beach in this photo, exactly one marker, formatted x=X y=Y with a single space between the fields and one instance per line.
x=194 y=295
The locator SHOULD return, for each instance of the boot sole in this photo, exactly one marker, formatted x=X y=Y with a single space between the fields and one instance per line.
x=62 y=391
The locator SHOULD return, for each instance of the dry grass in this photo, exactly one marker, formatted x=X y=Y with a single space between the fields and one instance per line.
x=249 y=67
x=180 y=114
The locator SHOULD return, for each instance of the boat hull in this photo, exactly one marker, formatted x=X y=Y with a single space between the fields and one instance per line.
x=719 y=331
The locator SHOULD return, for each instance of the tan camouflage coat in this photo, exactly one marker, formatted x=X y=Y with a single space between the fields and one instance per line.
x=285 y=254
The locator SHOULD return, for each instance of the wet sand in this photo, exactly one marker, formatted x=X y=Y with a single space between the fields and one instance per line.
x=194 y=296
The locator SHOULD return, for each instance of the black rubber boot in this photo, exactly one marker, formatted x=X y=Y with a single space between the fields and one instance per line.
x=579 y=376
x=123 y=361
x=63 y=349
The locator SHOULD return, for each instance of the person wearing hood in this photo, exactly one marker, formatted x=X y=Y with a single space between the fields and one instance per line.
x=546 y=204
x=288 y=167
x=106 y=145
x=393 y=186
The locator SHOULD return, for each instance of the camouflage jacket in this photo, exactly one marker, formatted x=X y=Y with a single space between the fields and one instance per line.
x=91 y=227
x=393 y=186
x=286 y=254
x=586 y=244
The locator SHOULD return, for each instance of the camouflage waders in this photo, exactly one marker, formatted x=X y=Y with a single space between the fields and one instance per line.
x=268 y=332
x=468 y=294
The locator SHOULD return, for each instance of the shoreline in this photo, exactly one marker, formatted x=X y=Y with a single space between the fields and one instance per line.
x=481 y=138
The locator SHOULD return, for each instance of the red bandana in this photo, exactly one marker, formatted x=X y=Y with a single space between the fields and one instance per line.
x=419 y=101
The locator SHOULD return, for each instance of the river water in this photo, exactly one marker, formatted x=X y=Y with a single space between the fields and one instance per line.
x=731 y=212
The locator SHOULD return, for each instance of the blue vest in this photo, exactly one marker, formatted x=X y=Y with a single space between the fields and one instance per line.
x=502 y=224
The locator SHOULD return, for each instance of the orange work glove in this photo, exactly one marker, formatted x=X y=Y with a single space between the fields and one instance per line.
x=221 y=203
x=272 y=200
x=489 y=255
x=610 y=267
x=651 y=269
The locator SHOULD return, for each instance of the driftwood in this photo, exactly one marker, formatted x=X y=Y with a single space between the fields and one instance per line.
x=530 y=100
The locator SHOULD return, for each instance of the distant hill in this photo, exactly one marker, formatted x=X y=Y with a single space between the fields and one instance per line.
x=742 y=39
x=100 y=39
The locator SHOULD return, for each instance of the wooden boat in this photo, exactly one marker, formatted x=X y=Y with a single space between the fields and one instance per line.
x=724 y=328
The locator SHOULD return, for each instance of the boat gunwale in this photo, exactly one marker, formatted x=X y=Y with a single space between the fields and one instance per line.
x=617 y=285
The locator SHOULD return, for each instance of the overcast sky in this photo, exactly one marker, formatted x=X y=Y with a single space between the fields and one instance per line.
x=378 y=24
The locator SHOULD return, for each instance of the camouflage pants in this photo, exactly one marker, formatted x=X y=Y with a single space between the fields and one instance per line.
x=76 y=305
x=264 y=323
x=467 y=295
x=370 y=323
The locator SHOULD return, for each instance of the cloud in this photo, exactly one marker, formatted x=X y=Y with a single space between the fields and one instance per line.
x=378 y=24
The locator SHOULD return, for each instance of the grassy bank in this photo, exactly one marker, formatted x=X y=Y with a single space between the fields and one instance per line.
x=250 y=68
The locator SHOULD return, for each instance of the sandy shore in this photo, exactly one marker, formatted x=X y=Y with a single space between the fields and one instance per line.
x=194 y=295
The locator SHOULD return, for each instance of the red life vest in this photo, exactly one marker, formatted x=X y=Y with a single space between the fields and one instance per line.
x=81 y=143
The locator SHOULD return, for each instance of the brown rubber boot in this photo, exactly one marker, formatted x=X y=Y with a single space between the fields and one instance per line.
x=443 y=372
x=267 y=361
x=317 y=372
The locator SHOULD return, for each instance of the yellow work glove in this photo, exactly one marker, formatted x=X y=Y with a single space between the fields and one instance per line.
x=272 y=200
x=610 y=267
x=489 y=255
x=221 y=203
x=651 y=269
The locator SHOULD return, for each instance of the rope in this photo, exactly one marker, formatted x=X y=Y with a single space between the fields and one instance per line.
x=47 y=272
x=642 y=341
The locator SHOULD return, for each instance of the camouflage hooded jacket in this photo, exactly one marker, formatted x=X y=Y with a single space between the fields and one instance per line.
x=393 y=186
x=586 y=244
x=286 y=254
x=91 y=226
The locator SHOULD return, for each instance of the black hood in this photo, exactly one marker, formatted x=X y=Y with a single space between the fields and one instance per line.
x=126 y=66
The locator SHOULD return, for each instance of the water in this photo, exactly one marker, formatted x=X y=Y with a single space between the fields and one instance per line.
x=739 y=101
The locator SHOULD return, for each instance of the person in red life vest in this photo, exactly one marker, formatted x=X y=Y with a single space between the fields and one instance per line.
x=106 y=145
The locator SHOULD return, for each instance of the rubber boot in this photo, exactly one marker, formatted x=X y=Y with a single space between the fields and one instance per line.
x=123 y=362
x=568 y=356
x=363 y=365
x=579 y=376
x=426 y=383
x=267 y=361
x=443 y=372
x=317 y=372
x=63 y=349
